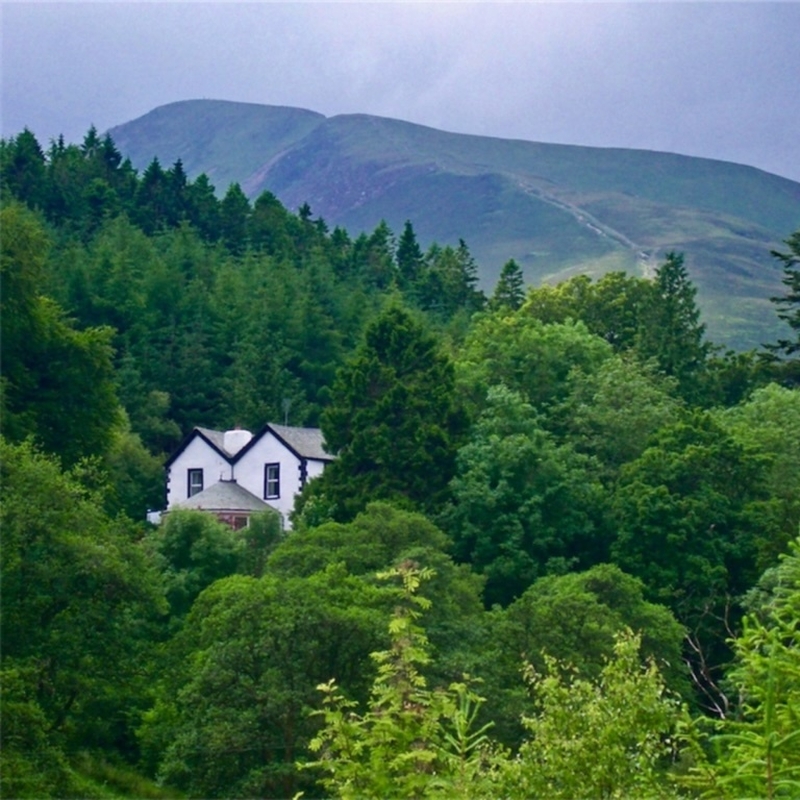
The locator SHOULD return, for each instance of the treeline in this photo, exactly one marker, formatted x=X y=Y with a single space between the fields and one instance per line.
x=570 y=477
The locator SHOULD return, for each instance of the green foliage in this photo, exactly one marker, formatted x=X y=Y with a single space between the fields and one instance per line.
x=58 y=381
x=683 y=510
x=574 y=618
x=609 y=738
x=611 y=413
x=448 y=283
x=758 y=745
x=230 y=719
x=79 y=604
x=410 y=262
x=527 y=356
x=136 y=477
x=378 y=537
x=192 y=550
x=610 y=308
x=393 y=420
x=411 y=741
x=31 y=763
x=789 y=303
x=509 y=293
x=522 y=505
x=670 y=330
x=768 y=426
x=260 y=538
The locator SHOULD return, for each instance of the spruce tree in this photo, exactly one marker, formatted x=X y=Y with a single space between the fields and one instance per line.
x=670 y=330
x=789 y=310
x=393 y=420
x=409 y=256
x=510 y=290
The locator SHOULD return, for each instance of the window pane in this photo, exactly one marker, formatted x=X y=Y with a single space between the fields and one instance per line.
x=195 y=481
x=272 y=481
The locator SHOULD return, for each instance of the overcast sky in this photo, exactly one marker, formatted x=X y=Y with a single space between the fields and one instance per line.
x=720 y=80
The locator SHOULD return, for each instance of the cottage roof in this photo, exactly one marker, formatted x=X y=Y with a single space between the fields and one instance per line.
x=306 y=442
x=217 y=438
x=224 y=496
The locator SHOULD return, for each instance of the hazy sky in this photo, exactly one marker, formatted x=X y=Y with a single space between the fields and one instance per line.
x=713 y=79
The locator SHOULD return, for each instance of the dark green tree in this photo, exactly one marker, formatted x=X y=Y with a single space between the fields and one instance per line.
x=574 y=618
x=203 y=208
x=58 y=383
x=409 y=256
x=448 y=284
x=79 y=604
x=373 y=258
x=682 y=515
x=789 y=309
x=192 y=549
x=234 y=214
x=393 y=420
x=510 y=290
x=610 y=413
x=152 y=198
x=268 y=227
x=230 y=719
x=22 y=169
x=670 y=330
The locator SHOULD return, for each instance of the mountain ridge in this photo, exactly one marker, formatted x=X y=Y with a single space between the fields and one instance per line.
x=556 y=209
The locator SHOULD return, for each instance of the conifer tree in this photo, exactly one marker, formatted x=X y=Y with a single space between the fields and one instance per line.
x=670 y=329
x=409 y=256
x=393 y=420
x=510 y=290
x=789 y=309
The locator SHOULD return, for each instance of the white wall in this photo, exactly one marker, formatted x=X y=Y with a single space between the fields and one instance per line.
x=249 y=471
x=197 y=455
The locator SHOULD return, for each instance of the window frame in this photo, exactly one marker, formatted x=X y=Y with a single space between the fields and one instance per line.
x=190 y=473
x=272 y=478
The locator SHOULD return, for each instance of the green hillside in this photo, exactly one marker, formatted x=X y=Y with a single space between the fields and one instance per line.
x=555 y=209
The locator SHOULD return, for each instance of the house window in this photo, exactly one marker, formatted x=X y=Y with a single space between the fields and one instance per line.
x=239 y=523
x=272 y=481
x=195 y=482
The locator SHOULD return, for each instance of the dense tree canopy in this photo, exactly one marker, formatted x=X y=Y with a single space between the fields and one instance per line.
x=570 y=478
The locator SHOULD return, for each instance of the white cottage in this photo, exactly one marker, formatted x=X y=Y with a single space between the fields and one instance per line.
x=236 y=468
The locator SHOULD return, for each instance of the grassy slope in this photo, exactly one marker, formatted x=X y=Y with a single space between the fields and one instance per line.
x=556 y=209
x=228 y=141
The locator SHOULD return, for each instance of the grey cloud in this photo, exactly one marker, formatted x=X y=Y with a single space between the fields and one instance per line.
x=718 y=80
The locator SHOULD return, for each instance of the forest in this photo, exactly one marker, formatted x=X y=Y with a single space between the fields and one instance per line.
x=557 y=553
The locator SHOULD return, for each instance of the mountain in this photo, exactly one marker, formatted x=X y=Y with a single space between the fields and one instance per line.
x=556 y=209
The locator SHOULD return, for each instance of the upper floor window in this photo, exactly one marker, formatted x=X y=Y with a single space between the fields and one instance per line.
x=272 y=481
x=194 y=482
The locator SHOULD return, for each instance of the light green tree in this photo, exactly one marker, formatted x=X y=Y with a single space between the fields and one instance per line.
x=613 y=737
x=758 y=743
x=412 y=741
x=522 y=504
x=768 y=426
x=526 y=355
